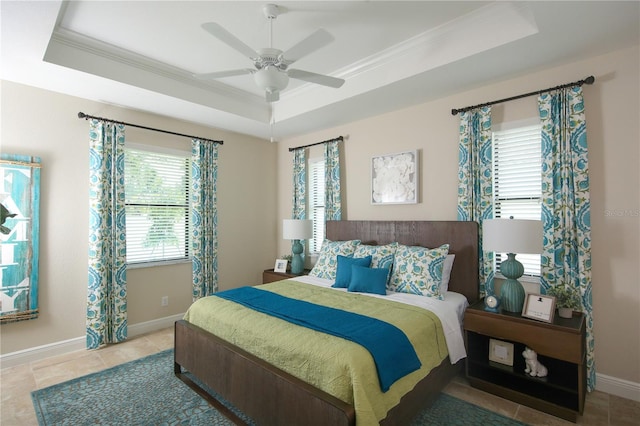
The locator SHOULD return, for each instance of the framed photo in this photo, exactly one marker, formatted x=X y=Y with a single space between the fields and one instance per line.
x=501 y=352
x=539 y=307
x=394 y=178
x=280 y=266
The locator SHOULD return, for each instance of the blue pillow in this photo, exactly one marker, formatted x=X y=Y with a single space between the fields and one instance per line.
x=369 y=280
x=343 y=270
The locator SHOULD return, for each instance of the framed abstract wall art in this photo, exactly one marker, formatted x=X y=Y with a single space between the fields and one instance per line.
x=394 y=178
x=19 y=237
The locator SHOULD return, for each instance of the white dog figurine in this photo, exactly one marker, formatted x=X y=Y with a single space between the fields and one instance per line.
x=534 y=368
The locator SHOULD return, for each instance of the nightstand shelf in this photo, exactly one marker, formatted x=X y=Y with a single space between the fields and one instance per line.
x=269 y=275
x=560 y=348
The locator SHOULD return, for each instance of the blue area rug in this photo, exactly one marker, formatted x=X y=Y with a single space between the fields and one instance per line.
x=146 y=392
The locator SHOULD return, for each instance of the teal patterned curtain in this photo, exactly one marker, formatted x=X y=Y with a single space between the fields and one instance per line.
x=107 y=282
x=333 y=202
x=475 y=182
x=566 y=257
x=204 y=217
x=299 y=184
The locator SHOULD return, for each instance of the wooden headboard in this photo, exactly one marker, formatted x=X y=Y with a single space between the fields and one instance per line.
x=462 y=238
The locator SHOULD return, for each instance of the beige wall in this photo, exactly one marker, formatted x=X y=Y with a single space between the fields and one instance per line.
x=613 y=113
x=45 y=124
x=37 y=122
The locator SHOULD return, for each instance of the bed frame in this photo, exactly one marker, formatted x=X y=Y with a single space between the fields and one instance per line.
x=271 y=396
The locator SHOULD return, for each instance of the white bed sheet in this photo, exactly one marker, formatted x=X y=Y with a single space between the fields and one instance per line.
x=450 y=311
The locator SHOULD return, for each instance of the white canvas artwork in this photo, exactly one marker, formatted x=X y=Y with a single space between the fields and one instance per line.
x=394 y=178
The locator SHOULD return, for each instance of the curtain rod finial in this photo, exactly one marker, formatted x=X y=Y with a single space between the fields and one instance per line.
x=81 y=114
x=590 y=80
x=454 y=111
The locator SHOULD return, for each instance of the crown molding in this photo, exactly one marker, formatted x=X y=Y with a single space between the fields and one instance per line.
x=494 y=25
x=77 y=51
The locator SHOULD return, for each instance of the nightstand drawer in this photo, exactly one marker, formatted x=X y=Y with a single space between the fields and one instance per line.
x=269 y=275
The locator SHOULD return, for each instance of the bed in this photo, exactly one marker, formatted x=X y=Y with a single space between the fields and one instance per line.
x=270 y=395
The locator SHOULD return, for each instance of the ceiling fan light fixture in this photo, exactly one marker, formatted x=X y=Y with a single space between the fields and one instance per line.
x=271 y=79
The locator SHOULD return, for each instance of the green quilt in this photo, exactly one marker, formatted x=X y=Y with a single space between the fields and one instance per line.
x=337 y=366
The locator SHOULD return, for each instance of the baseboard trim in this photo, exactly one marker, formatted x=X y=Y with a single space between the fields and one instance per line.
x=619 y=387
x=608 y=384
x=153 y=325
x=76 y=344
x=37 y=353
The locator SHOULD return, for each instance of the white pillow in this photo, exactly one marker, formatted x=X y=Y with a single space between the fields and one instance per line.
x=446 y=273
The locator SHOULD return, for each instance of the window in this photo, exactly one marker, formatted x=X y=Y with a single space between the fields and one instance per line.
x=517 y=180
x=316 y=203
x=157 y=206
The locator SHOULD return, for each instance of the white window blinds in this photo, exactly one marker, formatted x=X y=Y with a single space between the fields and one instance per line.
x=517 y=178
x=316 y=204
x=157 y=206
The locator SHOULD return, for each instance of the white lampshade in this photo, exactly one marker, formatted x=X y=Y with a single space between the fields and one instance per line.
x=518 y=236
x=297 y=229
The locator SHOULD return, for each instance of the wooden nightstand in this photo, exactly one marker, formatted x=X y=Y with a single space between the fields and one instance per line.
x=269 y=275
x=560 y=346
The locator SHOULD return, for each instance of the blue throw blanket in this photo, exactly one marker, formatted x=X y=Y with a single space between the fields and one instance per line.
x=390 y=348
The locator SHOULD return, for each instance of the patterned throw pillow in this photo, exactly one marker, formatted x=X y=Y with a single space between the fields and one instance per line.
x=381 y=256
x=418 y=270
x=327 y=262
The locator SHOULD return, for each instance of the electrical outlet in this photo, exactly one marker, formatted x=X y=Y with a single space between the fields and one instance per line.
x=164 y=301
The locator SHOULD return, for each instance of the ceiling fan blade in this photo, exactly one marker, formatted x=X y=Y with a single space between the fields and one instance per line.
x=226 y=37
x=222 y=74
x=272 y=96
x=315 y=41
x=312 y=77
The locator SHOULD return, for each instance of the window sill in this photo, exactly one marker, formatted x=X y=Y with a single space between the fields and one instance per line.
x=525 y=278
x=141 y=265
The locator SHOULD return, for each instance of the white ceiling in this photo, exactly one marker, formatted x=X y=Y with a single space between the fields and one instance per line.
x=142 y=54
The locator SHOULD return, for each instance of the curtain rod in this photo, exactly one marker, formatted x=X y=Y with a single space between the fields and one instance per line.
x=86 y=117
x=339 y=138
x=588 y=80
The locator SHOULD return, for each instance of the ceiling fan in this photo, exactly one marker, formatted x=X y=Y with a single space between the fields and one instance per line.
x=272 y=70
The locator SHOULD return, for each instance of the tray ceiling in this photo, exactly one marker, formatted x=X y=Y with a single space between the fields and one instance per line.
x=142 y=55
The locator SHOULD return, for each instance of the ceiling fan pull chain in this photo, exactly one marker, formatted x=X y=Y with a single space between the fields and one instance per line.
x=271 y=123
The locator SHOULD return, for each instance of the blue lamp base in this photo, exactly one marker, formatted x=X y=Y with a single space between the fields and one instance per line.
x=512 y=296
x=511 y=292
x=297 y=262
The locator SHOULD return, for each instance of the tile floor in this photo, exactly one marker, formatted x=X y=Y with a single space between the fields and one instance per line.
x=18 y=382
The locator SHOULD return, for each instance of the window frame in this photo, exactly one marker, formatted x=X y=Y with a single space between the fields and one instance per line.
x=187 y=258
x=314 y=244
x=532 y=273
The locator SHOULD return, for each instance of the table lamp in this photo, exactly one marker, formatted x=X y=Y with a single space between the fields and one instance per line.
x=512 y=236
x=296 y=230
